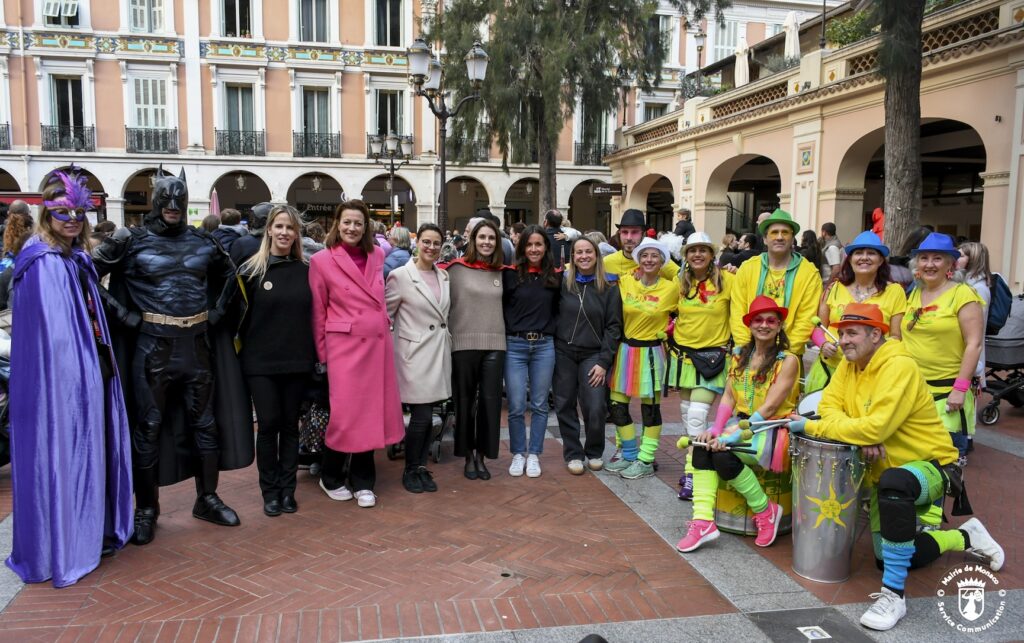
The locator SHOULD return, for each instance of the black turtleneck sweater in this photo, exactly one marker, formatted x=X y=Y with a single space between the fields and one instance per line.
x=277 y=332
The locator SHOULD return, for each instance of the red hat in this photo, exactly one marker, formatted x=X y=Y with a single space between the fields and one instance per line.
x=651 y=233
x=763 y=304
x=863 y=315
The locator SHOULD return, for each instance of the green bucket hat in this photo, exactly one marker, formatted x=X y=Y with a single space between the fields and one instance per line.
x=779 y=216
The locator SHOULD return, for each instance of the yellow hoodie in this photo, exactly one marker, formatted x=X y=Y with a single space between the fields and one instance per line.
x=886 y=403
x=801 y=279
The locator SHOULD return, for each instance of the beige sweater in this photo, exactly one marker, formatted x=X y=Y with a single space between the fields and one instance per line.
x=475 y=320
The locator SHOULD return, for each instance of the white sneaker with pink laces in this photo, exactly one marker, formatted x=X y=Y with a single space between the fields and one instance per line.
x=767 y=523
x=699 y=532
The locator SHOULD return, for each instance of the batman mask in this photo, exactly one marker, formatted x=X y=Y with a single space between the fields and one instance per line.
x=169 y=193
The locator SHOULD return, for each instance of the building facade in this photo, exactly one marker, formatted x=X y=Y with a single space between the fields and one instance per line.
x=810 y=139
x=272 y=100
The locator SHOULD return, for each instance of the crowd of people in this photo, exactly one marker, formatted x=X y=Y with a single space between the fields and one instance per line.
x=208 y=323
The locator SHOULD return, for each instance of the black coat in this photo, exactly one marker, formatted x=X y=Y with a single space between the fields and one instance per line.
x=591 y=320
x=684 y=228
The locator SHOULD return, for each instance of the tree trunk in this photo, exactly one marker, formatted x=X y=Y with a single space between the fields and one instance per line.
x=903 y=126
x=546 y=153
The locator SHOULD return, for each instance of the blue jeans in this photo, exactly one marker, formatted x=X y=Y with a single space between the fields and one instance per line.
x=528 y=364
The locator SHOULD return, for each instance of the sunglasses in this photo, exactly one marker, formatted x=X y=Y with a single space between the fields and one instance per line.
x=765 y=320
x=67 y=215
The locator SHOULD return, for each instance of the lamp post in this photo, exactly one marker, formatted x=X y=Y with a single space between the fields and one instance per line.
x=385 y=151
x=824 y=10
x=425 y=74
x=623 y=78
x=701 y=38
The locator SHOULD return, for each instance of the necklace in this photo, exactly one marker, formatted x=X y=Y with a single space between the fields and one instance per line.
x=862 y=294
x=750 y=384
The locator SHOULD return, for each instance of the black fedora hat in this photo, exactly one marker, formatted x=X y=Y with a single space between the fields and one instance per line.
x=632 y=217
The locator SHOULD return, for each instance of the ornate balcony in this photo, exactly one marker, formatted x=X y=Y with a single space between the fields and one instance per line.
x=5 y=136
x=241 y=143
x=472 y=150
x=150 y=140
x=65 y=138
x=318 y=145
x=592 y=153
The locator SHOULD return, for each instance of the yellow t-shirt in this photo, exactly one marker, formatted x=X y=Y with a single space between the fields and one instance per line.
x=618 y=264
x=891 y=301
x=645 y=309
x=748 y=394
x=935 y=341
x=703 y=319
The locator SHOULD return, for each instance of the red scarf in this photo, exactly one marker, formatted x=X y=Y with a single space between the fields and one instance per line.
x=476 y=265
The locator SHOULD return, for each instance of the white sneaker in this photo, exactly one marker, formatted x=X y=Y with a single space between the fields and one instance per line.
x=518 y=464
x=365 y=498
x=887 y=611
x=576 y=467
x=983 y=544
x=341 y=493
x=595 y=464
x=532 y=466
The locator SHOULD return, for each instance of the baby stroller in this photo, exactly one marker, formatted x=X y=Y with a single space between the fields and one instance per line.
x=1004 y=364
x=443 y=422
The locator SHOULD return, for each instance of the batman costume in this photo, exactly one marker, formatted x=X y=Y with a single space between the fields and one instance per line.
x=170 y=285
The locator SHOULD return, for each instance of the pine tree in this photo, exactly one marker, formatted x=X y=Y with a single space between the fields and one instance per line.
x=544 y=56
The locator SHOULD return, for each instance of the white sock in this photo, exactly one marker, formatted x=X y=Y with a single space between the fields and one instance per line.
x=697 y=418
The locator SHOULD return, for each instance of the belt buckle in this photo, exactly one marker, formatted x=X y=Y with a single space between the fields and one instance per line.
x=532 y=336
x=187 y=322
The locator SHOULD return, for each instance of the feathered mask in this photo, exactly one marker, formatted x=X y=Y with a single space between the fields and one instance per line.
x=70 y=192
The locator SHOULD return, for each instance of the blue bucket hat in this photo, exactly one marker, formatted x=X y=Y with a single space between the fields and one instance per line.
x=937 y=242
x=868 y=240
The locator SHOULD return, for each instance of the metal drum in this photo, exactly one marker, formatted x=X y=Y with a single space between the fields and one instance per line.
x=734 y=516
x=826 y=482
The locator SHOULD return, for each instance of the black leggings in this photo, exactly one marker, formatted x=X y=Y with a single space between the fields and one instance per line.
x=277 y=399
x=358 y=469
x=726 y=464
x=417 y=435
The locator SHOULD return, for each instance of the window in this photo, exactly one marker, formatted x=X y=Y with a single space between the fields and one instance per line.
x=595 y=127
x=316 y=115
x=237 y=19
x=774 y=30
x=389 y=111
x=662 y=25
x=313 y=20
x=726 y=38
x=147 y=15
x=150 y=108
x=654 y=110
x=389 y=23
x=61 y=13
x=67 y=103
x=238 y=108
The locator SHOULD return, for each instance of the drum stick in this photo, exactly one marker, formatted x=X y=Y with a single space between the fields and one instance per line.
x=685 y=441
x=764 y=425
x=817 y=322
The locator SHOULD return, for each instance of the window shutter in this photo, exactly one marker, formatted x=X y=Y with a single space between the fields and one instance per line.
x=69 y=8
x=157 y=12
x=51 y=8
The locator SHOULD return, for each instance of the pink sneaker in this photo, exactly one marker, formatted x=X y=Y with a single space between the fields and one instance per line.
x=767 y=524
x=698 y=533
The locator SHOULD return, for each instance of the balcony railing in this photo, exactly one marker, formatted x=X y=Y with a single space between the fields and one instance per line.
x=150 y=140
x=65 y=138
x=5 y=136
x=241 y=143
x=473 y=150
x=319 y=145
x=592 y=153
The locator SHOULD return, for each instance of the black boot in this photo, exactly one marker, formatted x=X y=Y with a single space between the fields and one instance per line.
x=208 y=505
x=147 y=505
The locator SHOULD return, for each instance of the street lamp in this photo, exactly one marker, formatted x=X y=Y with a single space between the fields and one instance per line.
x=385 y=150
x=425 y=75
x=700 y=37
x=623 y=77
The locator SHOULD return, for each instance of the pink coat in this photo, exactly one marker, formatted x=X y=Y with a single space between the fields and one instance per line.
x=352 y=334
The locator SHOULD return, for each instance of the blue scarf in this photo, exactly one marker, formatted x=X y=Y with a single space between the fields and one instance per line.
x=584 y=279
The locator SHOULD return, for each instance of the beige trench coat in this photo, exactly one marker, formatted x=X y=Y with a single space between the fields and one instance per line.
x=423 y=345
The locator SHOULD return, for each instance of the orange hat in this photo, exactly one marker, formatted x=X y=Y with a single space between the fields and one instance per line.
x=763 y=304
x=863 y=315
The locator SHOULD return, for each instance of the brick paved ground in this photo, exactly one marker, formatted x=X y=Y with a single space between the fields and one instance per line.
x=503 y=555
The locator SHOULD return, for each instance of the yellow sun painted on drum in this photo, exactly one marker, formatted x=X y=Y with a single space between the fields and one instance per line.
x=830 y=507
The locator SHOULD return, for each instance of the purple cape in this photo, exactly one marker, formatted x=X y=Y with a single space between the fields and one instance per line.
x=70 y=451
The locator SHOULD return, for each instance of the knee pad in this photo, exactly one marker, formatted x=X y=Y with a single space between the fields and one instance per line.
x=619 y=413
x=650 y=414
x=897 y=491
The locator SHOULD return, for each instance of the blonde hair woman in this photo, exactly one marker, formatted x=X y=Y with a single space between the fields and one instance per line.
x=277 y=352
